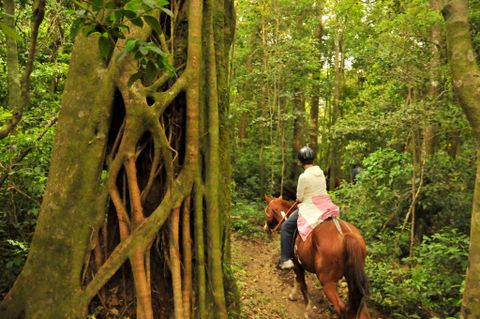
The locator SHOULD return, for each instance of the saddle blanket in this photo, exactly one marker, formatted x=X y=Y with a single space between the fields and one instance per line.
x=312 y=213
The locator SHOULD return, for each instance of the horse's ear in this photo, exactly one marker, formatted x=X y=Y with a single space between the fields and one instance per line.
x=267 y=199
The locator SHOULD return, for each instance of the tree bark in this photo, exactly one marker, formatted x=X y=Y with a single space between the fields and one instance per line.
x=335 y=155
x=147 y=156
x=316 y=82
x=429 y=135
x=466 y=82
x=49 y=285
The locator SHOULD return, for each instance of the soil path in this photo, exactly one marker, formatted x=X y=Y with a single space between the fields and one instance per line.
x=264 y=289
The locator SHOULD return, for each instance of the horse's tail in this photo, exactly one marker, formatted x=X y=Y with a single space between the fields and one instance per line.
x=355 y=272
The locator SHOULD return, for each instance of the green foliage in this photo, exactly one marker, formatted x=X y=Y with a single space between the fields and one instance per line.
x=381 y=194
x=429 y=283
x=248 y=218
x=118 y=18
x=425 y=286
x=14 y=254
x=447 y=197
x=25 y=178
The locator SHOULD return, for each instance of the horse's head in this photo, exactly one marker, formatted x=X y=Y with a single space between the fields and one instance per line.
x=275 y=212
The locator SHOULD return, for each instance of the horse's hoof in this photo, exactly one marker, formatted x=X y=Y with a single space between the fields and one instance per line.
x=291 y=297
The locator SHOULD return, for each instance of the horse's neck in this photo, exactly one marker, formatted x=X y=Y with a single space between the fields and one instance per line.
x=286 y=204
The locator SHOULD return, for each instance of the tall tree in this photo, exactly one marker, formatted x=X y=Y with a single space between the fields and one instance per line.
x=129 y=156
x=335 y=155
x=433 y=86
x=314 y=104
x=466 y=83
x=18 y=84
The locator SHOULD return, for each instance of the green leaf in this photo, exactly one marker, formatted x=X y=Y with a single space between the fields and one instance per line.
x=162 y=3
x=168 y=11
x=137 y=21
x=9 y=32
x=105 y=46
x=144 y=50
x=130 y=44
x=117 y=15
x=134 y=5
x=155 y=49
x=153 y=23
x=150 y=4
x=128 y=13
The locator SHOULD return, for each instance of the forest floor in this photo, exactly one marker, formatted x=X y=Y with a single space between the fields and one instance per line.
x=264 y=289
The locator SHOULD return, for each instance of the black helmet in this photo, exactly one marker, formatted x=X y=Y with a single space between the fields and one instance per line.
x=306 y=155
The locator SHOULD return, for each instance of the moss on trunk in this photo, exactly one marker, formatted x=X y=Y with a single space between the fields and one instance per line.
x=466 y=83
x=146 y=136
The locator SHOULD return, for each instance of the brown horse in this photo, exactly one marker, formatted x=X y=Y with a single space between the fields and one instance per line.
x=332 y=251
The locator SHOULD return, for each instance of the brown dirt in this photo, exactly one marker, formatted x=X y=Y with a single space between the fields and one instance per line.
x=264 y=289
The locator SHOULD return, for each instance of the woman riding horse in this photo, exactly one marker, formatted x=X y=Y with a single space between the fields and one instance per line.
x=326 y=246
x=314 y=206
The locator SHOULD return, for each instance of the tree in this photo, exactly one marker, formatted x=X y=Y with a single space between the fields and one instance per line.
x=136 y=146
x=466 y=81
x=19 y=86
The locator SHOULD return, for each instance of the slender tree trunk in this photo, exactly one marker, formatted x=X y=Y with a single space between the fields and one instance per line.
x=18 y=90
x=335 y=156
x=466 y=81
x=13 y=71
x=298 y=133
x=315 y=100
x=430 y=130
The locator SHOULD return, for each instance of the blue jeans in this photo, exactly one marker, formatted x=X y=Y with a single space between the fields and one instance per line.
x=287 y=232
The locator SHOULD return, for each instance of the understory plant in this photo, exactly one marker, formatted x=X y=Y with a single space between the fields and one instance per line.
x=426 y=281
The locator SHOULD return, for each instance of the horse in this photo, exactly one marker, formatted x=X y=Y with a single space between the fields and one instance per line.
x=334 y=249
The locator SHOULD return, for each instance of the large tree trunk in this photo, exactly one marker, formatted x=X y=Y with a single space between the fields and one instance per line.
x=466 y=83
x=126 y=159
x=49 y=285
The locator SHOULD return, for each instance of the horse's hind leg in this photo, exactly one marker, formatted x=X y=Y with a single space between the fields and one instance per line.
x=330 y=290
x=300 y=283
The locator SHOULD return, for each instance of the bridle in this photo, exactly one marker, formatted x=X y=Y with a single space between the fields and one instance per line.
x=284 y=215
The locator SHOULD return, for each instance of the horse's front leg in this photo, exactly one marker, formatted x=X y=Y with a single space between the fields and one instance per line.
x=300 y=283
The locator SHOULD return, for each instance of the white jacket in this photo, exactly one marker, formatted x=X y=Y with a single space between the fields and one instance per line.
x=315 y=205
x=311 y=183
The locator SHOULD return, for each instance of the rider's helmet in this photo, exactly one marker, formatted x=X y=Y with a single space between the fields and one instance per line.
x=306 y=155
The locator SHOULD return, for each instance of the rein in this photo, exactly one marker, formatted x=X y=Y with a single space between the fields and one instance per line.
x=284 y=215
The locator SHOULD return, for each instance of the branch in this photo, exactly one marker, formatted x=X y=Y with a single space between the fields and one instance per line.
x=163 y=99
x=142 y=235
x=114 y=170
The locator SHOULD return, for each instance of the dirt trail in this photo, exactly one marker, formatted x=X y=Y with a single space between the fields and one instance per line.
x=264 y=289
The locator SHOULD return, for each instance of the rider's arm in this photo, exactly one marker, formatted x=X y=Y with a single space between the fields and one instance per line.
x=300 y=189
